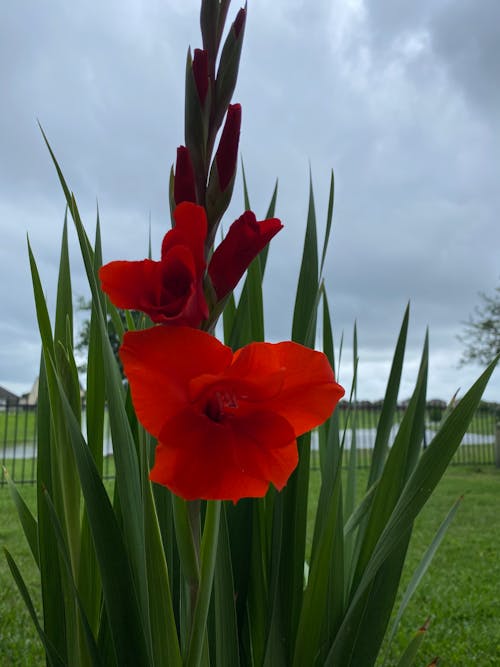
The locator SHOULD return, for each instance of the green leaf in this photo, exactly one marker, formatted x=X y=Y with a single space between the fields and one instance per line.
x=208 y=554
x=411 y=651
x=307 y=287
x=226 y=629
x=93 y=652
x=28 y=521
x=53 y=657
x=317 y=591
x=416 y=492
x=227 y=73
x=396 y=469
x=166 y=650
x=127 y=469
x=361 y=511
x=386 y=419
x=360 y=641
x=329 y=217
x=126 y=621
x=350 y=492
x=50 y=575
x=64 y=309
x=423 y=566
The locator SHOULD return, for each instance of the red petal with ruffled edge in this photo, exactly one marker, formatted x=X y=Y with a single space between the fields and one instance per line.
x=159 y=364
x=309 y=392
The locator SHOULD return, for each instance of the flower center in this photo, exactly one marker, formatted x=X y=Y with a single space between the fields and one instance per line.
x=219 y=403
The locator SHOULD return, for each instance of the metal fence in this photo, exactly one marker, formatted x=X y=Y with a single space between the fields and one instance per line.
x=18 y=436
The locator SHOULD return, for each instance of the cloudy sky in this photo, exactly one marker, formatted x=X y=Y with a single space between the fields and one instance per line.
x=401 y=99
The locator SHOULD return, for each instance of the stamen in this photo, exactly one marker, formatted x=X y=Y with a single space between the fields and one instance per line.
x=219 y=403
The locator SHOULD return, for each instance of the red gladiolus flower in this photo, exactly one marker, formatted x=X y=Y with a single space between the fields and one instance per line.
x=227 y=152
x=226 y=423
x=169 y=291
x=245 y=239
x=184 y=189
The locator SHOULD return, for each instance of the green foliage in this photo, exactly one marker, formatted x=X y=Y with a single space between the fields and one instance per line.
x=108 y=572
x=456 y=592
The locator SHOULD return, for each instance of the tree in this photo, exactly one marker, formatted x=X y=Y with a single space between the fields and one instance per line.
x=82 y=342
x=481 y=336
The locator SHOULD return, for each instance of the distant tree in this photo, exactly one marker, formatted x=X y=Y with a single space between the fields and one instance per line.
x=481 y=336
x=82 y=342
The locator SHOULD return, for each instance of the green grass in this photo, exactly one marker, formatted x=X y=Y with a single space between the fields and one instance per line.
x=17 y=426
x=19 y=643
x=460 y=592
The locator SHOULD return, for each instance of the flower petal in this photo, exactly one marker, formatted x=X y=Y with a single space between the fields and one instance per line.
x=159 y=363
x=190 y=230
x=131 y=285
x=199 y=458
x=309 y=393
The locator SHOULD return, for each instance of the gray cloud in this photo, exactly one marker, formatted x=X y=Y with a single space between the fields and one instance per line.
x=398 y=98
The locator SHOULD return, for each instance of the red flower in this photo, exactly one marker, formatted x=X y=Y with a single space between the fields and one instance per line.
x=245 y=239
x=227 y=152
x=226 y=423
x=184 y=188
x=169 y=291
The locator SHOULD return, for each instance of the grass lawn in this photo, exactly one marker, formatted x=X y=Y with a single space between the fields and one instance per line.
x=17 y=425
x=461 y=591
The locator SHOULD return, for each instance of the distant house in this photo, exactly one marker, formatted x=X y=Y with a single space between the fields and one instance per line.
x=31 y=397
x=7 y=398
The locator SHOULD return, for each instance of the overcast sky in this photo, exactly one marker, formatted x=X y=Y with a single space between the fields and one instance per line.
x=401 y=99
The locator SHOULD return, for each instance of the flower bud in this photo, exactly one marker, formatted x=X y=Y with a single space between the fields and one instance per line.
x=200 y=73
x=239 y=21
x=245 y=239
x=184 y=186
x=229 y=63
x=227 y=152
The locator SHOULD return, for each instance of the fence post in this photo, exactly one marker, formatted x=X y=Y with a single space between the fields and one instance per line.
x=497 y=446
